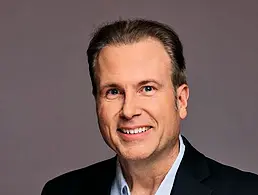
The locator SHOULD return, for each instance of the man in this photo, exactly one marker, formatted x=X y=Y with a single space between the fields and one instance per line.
x=138 y=76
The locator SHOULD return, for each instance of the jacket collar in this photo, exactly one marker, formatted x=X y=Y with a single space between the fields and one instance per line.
x=192 y=171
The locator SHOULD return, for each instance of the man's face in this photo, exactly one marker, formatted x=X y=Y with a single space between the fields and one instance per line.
x=136 y=103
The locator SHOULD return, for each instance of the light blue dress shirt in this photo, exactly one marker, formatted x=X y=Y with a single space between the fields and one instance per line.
x=120 y=187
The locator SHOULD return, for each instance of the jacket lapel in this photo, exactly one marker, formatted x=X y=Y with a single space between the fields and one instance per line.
x=105 y=177
x=192 y=171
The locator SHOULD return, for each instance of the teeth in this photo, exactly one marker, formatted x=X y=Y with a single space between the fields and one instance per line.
x=135 y=131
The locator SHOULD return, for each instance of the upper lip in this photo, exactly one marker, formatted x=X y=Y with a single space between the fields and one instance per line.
x=133 y=127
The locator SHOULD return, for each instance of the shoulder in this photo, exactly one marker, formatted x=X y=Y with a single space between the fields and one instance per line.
x=222 y=179
x=221 y=170
x=232 y=179
x=81 y=180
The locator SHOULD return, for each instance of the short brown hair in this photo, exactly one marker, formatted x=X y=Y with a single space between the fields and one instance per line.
x=132 y=31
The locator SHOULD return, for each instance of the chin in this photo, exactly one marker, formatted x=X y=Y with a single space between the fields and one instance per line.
x=135 y=155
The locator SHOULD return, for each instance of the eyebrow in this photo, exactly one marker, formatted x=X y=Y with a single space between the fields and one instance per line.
x=144 y=82
x=109 y=85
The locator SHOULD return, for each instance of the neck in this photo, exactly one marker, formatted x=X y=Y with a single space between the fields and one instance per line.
x=146 y=175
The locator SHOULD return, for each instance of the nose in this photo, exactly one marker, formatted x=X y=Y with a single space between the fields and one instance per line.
x=130 y=107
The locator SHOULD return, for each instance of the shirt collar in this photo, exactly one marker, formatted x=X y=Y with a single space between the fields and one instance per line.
x=121 y=183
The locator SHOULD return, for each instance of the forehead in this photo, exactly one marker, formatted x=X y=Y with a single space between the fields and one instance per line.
x=135 y=61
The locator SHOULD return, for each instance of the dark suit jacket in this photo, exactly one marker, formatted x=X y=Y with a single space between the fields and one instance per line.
x=197 y=175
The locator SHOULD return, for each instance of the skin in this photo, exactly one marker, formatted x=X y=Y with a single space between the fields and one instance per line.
x=135 y=90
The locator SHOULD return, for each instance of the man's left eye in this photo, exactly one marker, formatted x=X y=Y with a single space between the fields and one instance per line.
x=147 y=88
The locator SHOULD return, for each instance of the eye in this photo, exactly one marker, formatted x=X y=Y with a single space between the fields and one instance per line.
x=148 y=90
x=112 y=93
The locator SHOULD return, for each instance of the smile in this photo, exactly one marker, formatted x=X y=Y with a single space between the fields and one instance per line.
x=134 y=131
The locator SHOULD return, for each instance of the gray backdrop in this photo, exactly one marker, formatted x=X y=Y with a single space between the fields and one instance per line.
x=47 y=115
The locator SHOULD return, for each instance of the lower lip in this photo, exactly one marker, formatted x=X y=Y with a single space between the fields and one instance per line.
x=133 y=137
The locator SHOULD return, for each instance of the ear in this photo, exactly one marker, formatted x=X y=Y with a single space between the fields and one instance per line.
x=182 y=99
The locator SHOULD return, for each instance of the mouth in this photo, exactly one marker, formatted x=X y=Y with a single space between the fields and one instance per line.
x=138 y=130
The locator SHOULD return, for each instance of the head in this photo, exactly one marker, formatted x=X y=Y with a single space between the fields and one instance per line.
x=138 y=77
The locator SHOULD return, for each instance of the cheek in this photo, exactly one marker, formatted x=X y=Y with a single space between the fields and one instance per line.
x=162 y=109
x=156 y=107
x=162 y=104
x=107 y=113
